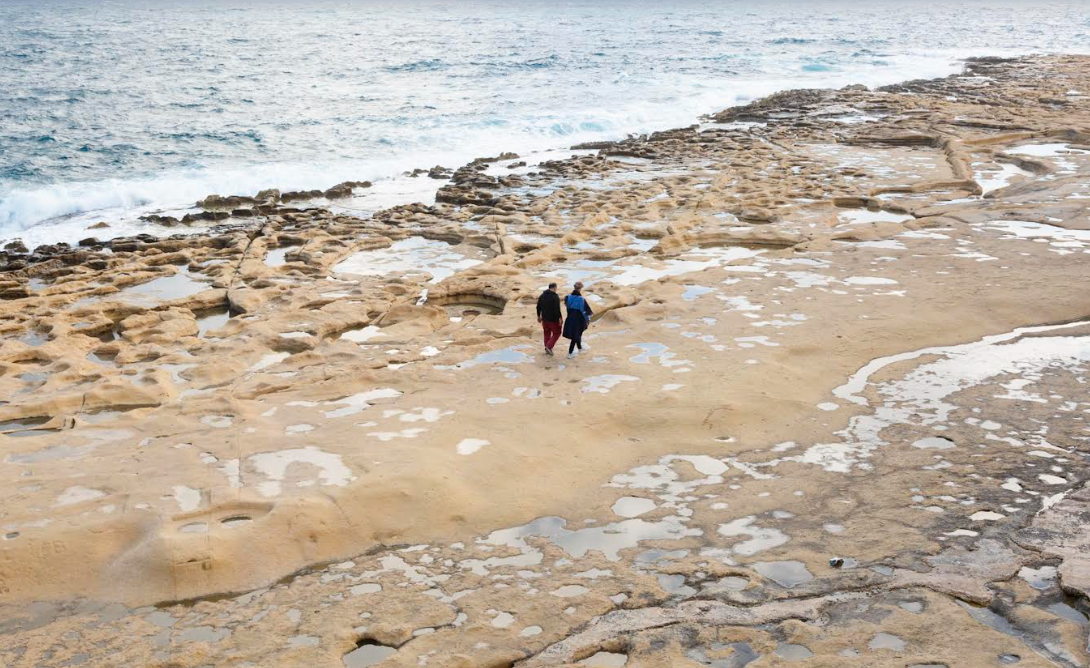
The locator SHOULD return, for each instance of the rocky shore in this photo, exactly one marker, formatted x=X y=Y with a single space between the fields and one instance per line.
x=833 y=409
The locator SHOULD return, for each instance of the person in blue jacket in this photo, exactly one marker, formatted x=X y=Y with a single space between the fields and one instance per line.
x=579 y=314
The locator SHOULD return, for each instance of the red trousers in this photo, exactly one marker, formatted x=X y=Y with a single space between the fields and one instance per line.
x=552 y=333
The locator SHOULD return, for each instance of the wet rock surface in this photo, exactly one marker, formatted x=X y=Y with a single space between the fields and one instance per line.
x=832 y=409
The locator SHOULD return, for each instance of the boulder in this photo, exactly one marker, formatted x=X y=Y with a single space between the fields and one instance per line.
x=267 y=196
x=298 y=195
x=167 y=221
x=220 y=202
x=345 y=189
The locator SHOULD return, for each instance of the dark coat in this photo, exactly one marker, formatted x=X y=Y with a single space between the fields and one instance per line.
x=579 y=314
x=548 y=306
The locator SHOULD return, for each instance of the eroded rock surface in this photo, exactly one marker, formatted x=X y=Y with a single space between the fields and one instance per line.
x=832 y=410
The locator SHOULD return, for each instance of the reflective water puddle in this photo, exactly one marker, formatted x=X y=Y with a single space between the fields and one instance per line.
x=166 y=288
x=415 y=255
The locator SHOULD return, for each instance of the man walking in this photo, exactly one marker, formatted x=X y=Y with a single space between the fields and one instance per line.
x=548 y=314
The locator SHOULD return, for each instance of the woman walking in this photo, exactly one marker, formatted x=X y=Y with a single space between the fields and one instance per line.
x=579 y=314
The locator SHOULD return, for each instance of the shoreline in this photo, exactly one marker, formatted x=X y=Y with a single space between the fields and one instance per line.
x=174 y=214
x=344 y=404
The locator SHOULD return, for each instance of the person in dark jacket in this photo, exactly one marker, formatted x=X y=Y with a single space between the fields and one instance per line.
x=548 y=314
x=579 y=314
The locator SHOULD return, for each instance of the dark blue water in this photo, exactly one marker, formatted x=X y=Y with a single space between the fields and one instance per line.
x=111 y=109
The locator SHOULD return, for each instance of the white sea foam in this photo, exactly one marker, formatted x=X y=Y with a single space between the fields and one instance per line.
x=335 y=107
x=63 y=211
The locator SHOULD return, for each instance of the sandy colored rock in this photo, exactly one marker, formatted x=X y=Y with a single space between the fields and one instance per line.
x=831 y=408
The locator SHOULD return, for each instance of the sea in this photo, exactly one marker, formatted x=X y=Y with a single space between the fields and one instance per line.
x=110 y=110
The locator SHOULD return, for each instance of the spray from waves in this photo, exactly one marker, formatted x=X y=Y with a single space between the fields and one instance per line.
x=681 y=101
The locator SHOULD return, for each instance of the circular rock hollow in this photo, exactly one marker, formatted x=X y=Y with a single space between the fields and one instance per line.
x=367 y=653
x=469 y=304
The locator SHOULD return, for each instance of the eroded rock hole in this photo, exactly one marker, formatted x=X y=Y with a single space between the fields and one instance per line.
x=277 y=257
x=23 y=423
x=211 y=319
x=105 y=335
x=103 y=356
x=464 y=305
x=236 y=521
x=608 y=659
x=368 y=652
x=34 y=338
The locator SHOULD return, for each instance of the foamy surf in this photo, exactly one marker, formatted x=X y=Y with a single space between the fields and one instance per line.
x=312 y=120
x=64 y=211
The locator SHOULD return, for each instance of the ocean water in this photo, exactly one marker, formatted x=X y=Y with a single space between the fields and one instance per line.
x=113 y=109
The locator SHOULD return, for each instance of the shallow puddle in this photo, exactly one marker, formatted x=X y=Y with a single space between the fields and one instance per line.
x=741 y=655
x=933 y=443
x=368 y=654
x=211 y=320
x=1039 y=578
x=1045 y=150
x=792 y=652
x=1065 y=611
x=512 y=355
x=275 y=465
x=760 y=538
x=604 y=383
x=468 y=446
x=697 y=260
x=358 y=402
x=999 y=175
x=415 y=255
x=1060 y=240
x=869 y=280
x=105 y=358
x=605 y=659
x=23 y=423
x=733 y=583
x=694 y=291
x=34 y=377
x=784 y=573
x=632 y=506
x=920 y=396
x=277 y=257
x=34 y=338
x=653 y=351
x=887 y=641
x=165 y=288
x=675 y=585
x=362 y=334
x=989 y=618
x=267 y=361
x=609 y=539
x=861 y=216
